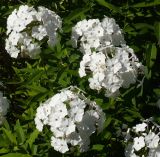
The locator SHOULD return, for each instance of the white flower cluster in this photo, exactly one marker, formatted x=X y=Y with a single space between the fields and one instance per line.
x=143 y=140
x=110 y=61
x=27 y=27
x=72 y=119
x=92 y=35
x=111 y=69
x=4 y=105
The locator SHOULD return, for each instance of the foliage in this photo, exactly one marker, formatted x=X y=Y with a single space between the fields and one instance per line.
x=28 y=82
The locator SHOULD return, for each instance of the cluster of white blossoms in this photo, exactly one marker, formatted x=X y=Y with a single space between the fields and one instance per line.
x=143 y=140
x=92 y=35
x=109 y=61
x=27 y=27
x=72 y=119
x=4 y=105
x=111 y=69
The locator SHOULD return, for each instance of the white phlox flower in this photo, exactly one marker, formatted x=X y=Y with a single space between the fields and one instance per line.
x=93 y=34
x=144 y=140
x=138 y=143
x=27 y=27
x=140 y=127
x=72 y=119
x=152 y=140
x=111 y=69
x=129 y=151
x=59 y=144
x=111 y=63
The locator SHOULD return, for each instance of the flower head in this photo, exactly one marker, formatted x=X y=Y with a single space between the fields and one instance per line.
x=110 y=69
x=94 y=35
x=138 y=143
x=72 y=119
x=28 y=27
x=144 y=139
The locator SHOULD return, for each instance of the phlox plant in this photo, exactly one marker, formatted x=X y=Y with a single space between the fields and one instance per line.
x=79 y=78
x=143 y=139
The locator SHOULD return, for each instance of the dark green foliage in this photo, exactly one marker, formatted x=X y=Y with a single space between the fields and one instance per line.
x=29 y=82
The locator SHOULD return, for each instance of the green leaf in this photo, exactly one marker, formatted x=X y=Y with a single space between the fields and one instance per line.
x=35 y=88
x=11 y=137
x=107 y=135
x=98 y=147
x=3 y=150
x=15 y=155
x=64 y=79
x=32 y=137
x=4 y=142
x=34 y=149
x=147 y=72
x=36 y=75
x=157 y=30
x=73 y=58
x=157 y=91
x=146 y=4
x=151 y=55
x=128 y=118
x=143 y=26
x=75 y=14
x=20 y=133
x=6 y=124
x=108 y=5
x=108 y=121
x=134 y=114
